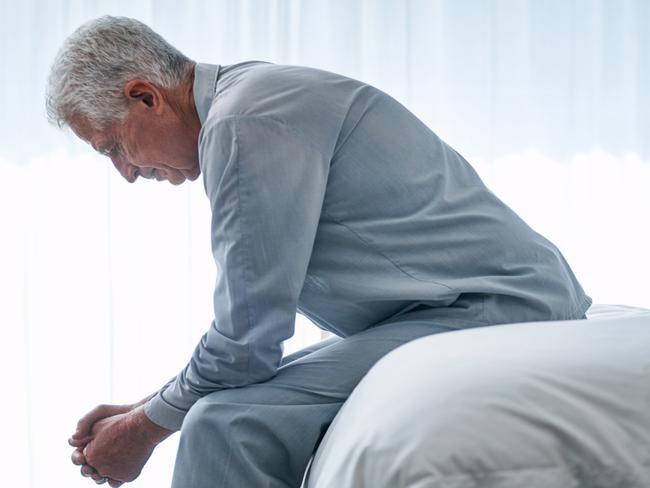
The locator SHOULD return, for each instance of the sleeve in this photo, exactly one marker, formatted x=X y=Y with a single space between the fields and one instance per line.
x=266 y=185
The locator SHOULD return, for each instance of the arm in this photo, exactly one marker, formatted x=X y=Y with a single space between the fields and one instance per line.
x=115 y=415
x=266 y=187
x=82 y=433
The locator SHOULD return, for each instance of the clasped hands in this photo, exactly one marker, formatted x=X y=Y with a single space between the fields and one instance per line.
x=113 y=442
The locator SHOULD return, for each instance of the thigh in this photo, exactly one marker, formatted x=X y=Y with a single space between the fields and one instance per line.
x=269 y=430
x=329 y=373
x=308 y=350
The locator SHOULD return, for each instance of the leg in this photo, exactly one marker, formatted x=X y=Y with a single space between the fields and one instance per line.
x=264 y=434
x=308 y=350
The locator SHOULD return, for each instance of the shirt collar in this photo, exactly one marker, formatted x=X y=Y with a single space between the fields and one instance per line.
x=205 y=82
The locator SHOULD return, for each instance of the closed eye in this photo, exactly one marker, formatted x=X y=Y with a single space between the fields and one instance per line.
x=106 y=151
x=110 y=150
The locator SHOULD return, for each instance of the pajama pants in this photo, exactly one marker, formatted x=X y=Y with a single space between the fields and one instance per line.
x=263 y=435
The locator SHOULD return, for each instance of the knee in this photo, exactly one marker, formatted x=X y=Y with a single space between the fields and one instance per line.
x=214 y=413
x=201 y=416
x=207 y=416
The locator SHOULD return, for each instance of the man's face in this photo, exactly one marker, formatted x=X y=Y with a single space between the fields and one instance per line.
x=151 y=142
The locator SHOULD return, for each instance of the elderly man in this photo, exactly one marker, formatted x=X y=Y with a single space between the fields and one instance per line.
x=329 y=199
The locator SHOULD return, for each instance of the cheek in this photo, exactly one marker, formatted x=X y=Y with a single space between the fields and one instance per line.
x=151 y=156
x=162 y=154
x=146 y=150
x=133 y=151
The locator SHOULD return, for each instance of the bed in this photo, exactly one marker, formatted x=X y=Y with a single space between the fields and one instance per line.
x=562 y=404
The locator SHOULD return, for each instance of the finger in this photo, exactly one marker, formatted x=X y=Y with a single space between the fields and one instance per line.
x=114 y=483
x=78 y=457
x=101 y=480
x=98 y=477
x=80 y=442
x=87 y=471
x=100 y=412
x=85 y=454
x=86 y=422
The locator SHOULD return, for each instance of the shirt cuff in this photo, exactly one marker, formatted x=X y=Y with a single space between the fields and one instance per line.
x=162 y=413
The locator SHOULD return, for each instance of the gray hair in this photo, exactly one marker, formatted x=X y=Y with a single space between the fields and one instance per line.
x=94 y=63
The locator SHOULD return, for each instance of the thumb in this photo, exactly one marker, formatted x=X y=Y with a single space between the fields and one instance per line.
x=86 y=422
x=79 y=441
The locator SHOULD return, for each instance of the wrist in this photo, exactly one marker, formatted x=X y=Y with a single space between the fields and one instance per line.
x=144 y=400
x=149 y=430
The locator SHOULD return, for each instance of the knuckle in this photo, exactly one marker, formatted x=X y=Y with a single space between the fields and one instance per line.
x=90 y=460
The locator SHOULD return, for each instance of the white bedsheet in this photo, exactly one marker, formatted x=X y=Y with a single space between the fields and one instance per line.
x=562 y=404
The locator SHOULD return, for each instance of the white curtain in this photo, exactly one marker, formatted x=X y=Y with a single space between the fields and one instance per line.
x=106 y=287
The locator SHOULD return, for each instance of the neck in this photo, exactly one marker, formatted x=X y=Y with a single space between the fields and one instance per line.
x=182 y=102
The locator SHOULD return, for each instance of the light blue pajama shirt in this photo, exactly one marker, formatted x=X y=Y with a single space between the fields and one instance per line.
x=330 y=199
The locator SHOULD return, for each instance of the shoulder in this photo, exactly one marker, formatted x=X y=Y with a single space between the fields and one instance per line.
x=227 y=132
x=282 y=92
x=304 y=100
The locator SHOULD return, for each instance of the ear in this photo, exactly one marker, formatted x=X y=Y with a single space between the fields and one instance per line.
x=143 y=92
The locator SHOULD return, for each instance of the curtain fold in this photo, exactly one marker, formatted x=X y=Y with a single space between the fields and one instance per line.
x=493 y=76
